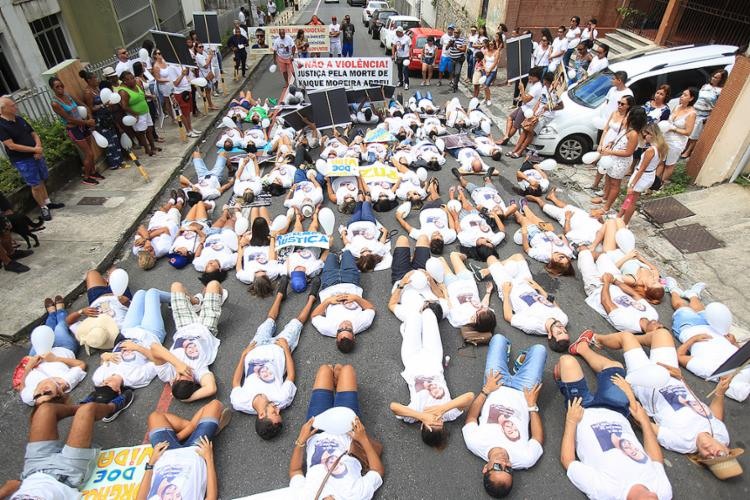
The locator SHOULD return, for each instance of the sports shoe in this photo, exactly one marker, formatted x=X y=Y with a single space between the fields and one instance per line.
x=46 y=215
x=53 y=206
x=585 y=336
x=283 y=284
x=314 y=286
x=488 y=103
x=20 y=254
x=89 y=181
x=694 y=291
x=519 y=361
x=121 y=402
x=456 y=173
x=406 y=86
x=670 y=285
x=476 y=271
x=16 y=267
x=490 y=172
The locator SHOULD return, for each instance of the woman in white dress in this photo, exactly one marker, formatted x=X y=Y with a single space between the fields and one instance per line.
x=645 y=173
x=615 y=124
x=677 y=130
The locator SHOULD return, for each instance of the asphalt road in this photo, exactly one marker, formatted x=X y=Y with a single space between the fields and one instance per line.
x=248 y=465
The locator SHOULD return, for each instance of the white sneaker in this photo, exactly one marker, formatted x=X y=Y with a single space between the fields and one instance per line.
x=670 y=285
x=406 y=86
x=193 y=134
x=488 y=103
x=695 y=290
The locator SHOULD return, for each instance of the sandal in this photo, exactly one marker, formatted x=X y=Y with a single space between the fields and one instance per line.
x=59 y=302
x=513 y=155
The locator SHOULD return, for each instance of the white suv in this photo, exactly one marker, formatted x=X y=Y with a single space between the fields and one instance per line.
x=572 y=132
x=370 y=8
x=388 y=32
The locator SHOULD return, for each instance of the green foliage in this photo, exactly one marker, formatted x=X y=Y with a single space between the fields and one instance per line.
x=10 y=179
x=627 y=12
x=678 y=183
x=743 y=180
x=481 y=21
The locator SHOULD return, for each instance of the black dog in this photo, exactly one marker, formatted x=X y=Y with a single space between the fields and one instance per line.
x=23 y=226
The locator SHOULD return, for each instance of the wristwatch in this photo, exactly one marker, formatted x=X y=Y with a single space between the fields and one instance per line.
x=533 y=408
x=148 y=466
x=486 y=394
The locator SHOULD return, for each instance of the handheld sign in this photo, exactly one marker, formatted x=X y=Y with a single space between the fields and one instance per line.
x=173 y=48
x=518 y=50
x=207 y=27
x=342 y=167
x=734 y=363
x=330 y=108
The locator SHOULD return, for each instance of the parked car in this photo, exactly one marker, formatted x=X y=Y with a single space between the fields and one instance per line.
x=378 y=19
x=356 y=3
x=388 y=33
x=371 y=7
x=418 y=41
x=572 y=132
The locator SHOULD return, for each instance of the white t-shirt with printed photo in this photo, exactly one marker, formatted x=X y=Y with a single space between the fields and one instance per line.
x=264 y=374
x=487 y=197
x=434 y=220
x=410 y=184
x=707 y=355
x=181 y=471
x=379 y=188
x=305 y=193
x=135 y=369
x=282 y=173
x=41 y=486
x=424 y=377
x=221 y=246
x=545 y=243
x=327 y=324
x=55 y=369
x=345 y=187
x=531 y=310
x=463 y=297
x=195 y=346
x=209 y=187
x=308 y=258
x=364 y=235
x=473 y=227
x=628 y=313
x=163 y=243
x=256 y=259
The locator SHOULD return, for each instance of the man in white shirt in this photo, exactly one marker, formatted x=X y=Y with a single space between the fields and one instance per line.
x=611 y=462
x=332 y=471
x=156 y=240
x=123 y=62
x=435 y=223
x=599 y=61
x=283 y=46
x=401 y=52
x=503 y=426
x=183 y=468
x=208 y=182
x=259 y=386
x=194 y=348
x=578 y=226
x=559 y=47
x=342 y=312
x=615 y=93
x=334 y=35
x=475 y=232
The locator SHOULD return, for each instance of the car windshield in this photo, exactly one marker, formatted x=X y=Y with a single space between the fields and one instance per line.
x=592 y=91
x=385 y=15
x=407 y=24
x=377 y=5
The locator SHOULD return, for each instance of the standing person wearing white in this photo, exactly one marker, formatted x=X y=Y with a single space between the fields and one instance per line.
x=503 y=426
x=123 y=61
x=590 y=34
x=677 y=131
x=334 y=34
x=205 y=61
x=401 y=54
x=559 y=48
x=599 y=61
x=271 y=6
x=614 y=94
x=611 y=462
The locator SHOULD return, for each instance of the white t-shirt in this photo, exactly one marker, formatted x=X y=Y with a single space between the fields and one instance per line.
x=364 y=235
x=283 y=173
x=346 y=482
x=202 y=60
x=535 y=91
x=402 y=45
x=534 y=175
x=444 y=41
x=162 y=243
x=264 y=374
x=540 y=56
x=124 y=66
x=379 y=188
x=256 y=259
x=307 y=258
x=597 y=64
x=328 y=323
x=545 y=243
x=183 y=471
x=424 y=377
x=209 y=187
x=487 y=197
x=573 y=35
x=283 y=47
x=628 y=313
x=335 y=28
x=504 y=423
x=463 y=297
x=473 y=227
x=613 y=97
x=188 y=240
x=602 y=470
x=201 y=351
x=40 y=486
x=410 y=184
x=531 y=310
x=55 y=369
x=431 y=220
x=109 y=305
x=709 y=354
x=173 y=72
x=305 y=193
x=221 y=246
x=135 y=369
x=345 y=187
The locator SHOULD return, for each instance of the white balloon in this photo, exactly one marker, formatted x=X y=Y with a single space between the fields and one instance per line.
x=665 y=125
x=199 y=82
x=422 y=174
x=105 y=94
x=571 y=73
x=650 y=376
x=228 y=122
x=100 y=140
x=42 y=338
x=115 y=98
x=241 y=225
x=118 y=281
x=548 y=164
x=265 y=123
x=625 y=239
x=327 y=220
x=279 y=222
x=599 y=122
x=482 y=79
x=83 y=112
x=454 y=205
x=605 y=163
x=129 y=120
x=486 y=127
x=406 y=62
x=591 y=157
x=272 y=68
x=404 y=209
x=473 y=103
x=336 y=420
x=518 y=237
x=719 y=317
x=528 y=113
x=321 y=166
x=418 y=280
x=434 y=268
x=440 y=144
x=125 y=142
x=143 y=54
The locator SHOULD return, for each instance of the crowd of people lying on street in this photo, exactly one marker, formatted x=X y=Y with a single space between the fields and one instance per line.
x=446 y=268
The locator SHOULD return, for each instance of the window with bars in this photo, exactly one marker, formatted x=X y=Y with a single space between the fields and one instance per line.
x=8 y=82
x=50 y=39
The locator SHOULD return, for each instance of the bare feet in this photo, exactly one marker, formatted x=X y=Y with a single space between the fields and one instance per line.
x=597 y=201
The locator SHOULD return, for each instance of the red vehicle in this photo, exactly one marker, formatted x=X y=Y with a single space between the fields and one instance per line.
x=419 y=40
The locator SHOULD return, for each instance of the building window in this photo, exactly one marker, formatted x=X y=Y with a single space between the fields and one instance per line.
x=8 y=82
x=51 y=40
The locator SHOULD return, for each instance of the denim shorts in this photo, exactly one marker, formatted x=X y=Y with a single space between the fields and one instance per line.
x=68 y=465
x=607 y=394
x=95 y=292
x=446 y=64
x=685 y=317
x=403 y=261
x=325 y=399
x=490 y=78
x=33 y=171
x=206 y=427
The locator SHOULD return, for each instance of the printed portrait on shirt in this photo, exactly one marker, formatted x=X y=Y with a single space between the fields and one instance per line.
x=364 y=232
x=262 y=369
x=609 y=435
x=167 y=484
x=533 y=297
x=432 y=385
x=678 y=398
x=627 y=301
x=437 y=221
x=327 y=451
x=468 y=298
x=259 y=257
x=190 y=346
x=126 y=355
x=505 y=418
x=480 y=225
x=214 y=244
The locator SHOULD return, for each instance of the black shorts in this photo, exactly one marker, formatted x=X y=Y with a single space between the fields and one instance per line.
x=432 y=204
x=403 y=261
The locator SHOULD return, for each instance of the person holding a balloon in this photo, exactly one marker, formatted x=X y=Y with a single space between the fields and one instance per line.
x=104 y=297
x=105 y=135
x=134 y=104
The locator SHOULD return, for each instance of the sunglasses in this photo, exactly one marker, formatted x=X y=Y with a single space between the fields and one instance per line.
x=200 y=46
x=42 y=395
x=496 y=467
x=157 y=53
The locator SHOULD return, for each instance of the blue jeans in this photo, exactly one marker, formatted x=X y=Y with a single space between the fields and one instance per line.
x=265 y=333
x=145 y=312
x=419 y=95
x=363 y=212
x=347 y=49
x=206 y=427
x=335 y=273
x=402 y=71
x=300 y=175
x=219 y=170
x=63 y=337
x=566 y=59
x=470 y=64
x=607 y=394
x=531 y=370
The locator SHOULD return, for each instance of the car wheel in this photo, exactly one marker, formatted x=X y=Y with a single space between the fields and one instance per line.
x=571 y=148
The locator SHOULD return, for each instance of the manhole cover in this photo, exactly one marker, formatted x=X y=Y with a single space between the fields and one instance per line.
x=92 y=200
x=691 y=238
x=666 y=210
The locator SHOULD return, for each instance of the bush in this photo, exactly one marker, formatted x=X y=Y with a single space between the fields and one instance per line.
x=57 y=147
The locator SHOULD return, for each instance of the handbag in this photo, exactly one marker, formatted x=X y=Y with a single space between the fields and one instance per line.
x=474 y=337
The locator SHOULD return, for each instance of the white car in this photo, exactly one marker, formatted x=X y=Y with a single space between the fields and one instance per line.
x=388 y=32
x=572 y=132
x=370 y=8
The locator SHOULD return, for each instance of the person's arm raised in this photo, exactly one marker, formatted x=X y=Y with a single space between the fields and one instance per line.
x=373 y=457
x=650 y=442
x=208 y=388
x=568 y=445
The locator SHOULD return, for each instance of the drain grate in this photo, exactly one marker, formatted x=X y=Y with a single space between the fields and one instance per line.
x=666 y=210
x=93 y=200
x=692 y=238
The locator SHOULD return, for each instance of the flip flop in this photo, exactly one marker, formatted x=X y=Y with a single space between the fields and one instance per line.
x=456 y=173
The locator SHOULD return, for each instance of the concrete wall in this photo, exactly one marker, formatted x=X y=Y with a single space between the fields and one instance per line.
x=93 y=27
x=550 y=13
x=496 y=14
x=462 y=13
x=190 y=6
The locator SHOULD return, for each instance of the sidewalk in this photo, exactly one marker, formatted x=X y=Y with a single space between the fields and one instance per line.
x=96 y=221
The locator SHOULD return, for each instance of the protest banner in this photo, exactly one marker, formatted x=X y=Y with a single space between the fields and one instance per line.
x=207 y=27
x=173 y=48
x=379 y=134
x=302 y=239
x=342 y=167
x=260 y=39
x=118 y=473
x=518 y=51
x=349 y=72
x=379 y=172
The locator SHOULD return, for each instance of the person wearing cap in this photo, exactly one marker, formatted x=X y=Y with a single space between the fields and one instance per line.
x=682 y=422
x=612 y=462
x=334 y=34
x=342 y=312
x=401 y=54
x=436 y=224
x=304 y=263
x=347 y=37
x=446 y=63
x=259 y=386
x=194 y=347
x=156 y=240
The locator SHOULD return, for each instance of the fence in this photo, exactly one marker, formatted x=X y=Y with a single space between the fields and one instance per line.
x=34 y=104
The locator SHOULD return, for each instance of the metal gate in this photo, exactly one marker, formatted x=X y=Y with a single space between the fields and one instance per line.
x=643 y=17
x=712 y=22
